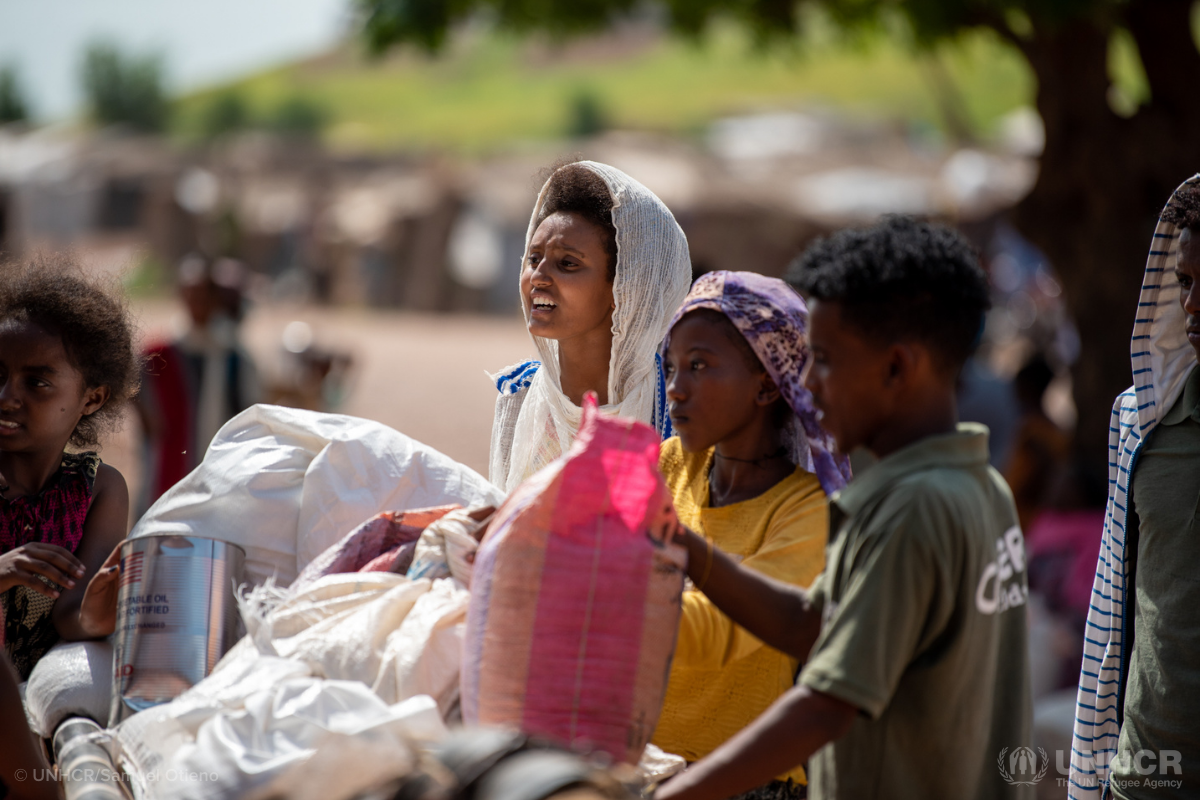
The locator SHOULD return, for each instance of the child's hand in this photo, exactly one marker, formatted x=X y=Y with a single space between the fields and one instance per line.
x=98 y=610
x=28 y=564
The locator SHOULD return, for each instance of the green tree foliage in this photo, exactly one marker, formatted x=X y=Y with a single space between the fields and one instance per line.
x=12 y=102
x=1108 y=165
x=226 y=113
x=427 y=22
x=123 y=89
x=587 y=115
x=298 y=117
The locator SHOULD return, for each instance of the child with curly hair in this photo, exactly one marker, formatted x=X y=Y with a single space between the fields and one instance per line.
x=67 y=365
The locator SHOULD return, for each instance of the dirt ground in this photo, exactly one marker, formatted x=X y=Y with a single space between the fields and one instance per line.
x=422 y=374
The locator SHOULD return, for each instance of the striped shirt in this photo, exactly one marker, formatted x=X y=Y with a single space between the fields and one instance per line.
x=1162 y=358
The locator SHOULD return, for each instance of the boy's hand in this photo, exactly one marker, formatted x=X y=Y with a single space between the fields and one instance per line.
x=699 y=558
x=777 y=613
x=796 y=725
x=98 y=610
x=679 y=532
x=23 y=565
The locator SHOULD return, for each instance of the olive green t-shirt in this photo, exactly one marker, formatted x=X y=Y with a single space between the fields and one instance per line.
x=1162 y=692
x=923 y=629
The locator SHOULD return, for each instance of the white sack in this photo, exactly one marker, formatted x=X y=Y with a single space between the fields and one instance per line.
x=424 y=655
x=395 y=638
x=300 y=738
x=398 y=636
x=146 y=743
x=350 y=644
x=73 y=679
x=285 y=484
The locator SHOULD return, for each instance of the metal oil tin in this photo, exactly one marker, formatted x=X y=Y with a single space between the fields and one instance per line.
x=176 y=617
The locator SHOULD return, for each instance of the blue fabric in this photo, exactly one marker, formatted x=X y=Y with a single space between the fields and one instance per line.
x=518 y=377
x=662 y=417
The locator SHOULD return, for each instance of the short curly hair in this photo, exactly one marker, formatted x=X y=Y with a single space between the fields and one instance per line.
x=901 y=280
x=576 y=189
x=93 y=322
x=1183 y=209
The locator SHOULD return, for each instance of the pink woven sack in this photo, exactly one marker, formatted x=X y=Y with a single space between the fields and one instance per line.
x=575 y=600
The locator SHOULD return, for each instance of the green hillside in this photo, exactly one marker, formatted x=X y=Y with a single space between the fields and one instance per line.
x=493 y=90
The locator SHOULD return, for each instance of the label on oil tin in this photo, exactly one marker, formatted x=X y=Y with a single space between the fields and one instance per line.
x=138 y=610
x=176 y=616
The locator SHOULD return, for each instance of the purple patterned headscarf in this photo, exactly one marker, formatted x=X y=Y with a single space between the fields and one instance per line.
x=774 y=320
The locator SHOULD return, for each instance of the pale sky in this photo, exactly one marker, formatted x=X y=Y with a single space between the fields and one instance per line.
x=201 y=41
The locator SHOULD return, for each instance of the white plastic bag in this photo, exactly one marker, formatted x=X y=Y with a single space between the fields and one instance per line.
x=424 y=655
x=395 y=638
x=300 y=737
x=285 y=484
x=73 y=679
x=399 y=637
x=146 y=743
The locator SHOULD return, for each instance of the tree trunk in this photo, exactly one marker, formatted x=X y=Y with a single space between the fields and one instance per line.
x=1103 y=182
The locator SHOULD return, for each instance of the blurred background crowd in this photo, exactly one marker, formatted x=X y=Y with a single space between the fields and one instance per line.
x=323 y=203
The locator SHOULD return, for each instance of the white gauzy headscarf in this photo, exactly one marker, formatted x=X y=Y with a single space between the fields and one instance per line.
x=652 y=277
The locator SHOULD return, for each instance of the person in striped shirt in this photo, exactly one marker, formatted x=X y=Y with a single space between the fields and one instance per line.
x=1136 y=731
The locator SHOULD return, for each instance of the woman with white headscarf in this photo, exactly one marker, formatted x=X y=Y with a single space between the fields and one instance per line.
x=605 y=267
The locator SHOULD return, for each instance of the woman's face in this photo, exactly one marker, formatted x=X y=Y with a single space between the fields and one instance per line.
x=564 y=283
x=713 y=393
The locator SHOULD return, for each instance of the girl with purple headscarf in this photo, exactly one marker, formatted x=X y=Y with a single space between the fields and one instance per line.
x=750 y=469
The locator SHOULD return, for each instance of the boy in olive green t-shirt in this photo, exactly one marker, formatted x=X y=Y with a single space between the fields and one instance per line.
x=915 y=681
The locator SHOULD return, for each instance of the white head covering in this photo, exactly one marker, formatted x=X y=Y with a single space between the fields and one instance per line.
x=653 y=275
x=1162 y=361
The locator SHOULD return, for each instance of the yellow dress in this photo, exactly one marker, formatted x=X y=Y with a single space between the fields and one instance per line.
x=722 y=678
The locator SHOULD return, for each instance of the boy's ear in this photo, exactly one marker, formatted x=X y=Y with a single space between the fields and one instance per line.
x=768 y=392
x=94 y=399
x=902 y=363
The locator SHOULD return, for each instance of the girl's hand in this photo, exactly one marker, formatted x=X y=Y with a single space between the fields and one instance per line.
x=98 y=610
x=23 y=565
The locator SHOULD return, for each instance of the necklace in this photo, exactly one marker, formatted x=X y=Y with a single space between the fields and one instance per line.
x=782 y=451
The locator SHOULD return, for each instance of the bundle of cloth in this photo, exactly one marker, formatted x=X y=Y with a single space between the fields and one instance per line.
x=286 y=485
x=354 y=665
x=345 y=681
x=349 y=674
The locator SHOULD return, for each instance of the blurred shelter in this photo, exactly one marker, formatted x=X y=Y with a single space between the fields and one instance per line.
x=108 y=194
x=433 y=234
